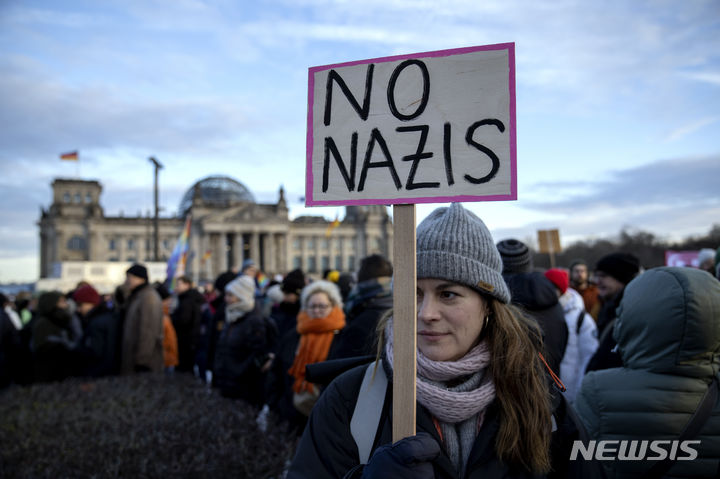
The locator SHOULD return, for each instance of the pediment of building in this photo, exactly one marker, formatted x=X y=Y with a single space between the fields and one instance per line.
x=243 y=213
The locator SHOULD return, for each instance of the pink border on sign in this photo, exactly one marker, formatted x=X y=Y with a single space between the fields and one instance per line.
x=310 y=201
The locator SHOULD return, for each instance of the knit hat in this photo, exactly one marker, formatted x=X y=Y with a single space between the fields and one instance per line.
x=321 y=286
x=138 y=270
x=454 y=244
x=621 y=266
x=243 y=288
x=558 y=277
x=86 y=294
x=515 y=256
x=294 y=282
x=706 y=254
x=223 y=279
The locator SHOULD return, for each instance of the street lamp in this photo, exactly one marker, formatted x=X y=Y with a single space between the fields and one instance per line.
x=156 y=222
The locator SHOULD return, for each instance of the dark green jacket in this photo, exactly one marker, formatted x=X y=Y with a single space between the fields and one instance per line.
x=668 y=335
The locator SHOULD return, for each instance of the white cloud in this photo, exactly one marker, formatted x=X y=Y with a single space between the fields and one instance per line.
x=686 y=130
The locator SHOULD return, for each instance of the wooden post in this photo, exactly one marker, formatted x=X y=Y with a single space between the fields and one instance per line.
x=404 y=321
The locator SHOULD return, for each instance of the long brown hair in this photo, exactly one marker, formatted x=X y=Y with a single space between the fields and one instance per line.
x=520 y=382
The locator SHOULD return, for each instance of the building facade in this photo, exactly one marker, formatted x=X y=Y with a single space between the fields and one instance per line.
x=227 y=227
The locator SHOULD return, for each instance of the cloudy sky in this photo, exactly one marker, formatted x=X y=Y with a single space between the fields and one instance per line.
x=618 y=103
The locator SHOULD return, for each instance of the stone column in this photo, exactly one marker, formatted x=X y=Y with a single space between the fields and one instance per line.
x=238 y=249
x=197 y=254
x=222 y=250
x=255 y=247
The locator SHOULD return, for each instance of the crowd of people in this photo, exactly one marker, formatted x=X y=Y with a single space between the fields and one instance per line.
x=514 y=363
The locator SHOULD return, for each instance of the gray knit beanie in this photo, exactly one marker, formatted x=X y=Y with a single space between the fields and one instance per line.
x=515 y=256
x=454 y=244
x=243 y=288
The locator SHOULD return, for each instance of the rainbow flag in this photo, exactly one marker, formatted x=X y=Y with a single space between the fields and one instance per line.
x=206 y=256
x=262 y=280
x=179 y=256
x=332 y=226
x=71 y=156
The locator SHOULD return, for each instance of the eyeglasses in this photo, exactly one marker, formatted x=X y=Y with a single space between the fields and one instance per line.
x=320 y=307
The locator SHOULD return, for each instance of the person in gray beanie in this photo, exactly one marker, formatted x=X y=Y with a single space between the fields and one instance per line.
x=483 y=401
x=535 y=294
x=244 y=346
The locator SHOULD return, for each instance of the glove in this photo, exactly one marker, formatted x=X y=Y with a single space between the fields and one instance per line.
x=409 y=458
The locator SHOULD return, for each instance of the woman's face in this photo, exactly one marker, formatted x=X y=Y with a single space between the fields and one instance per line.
x=318 y=305
x=450 y=319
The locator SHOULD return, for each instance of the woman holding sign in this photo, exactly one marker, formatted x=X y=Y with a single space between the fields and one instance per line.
x=484 y=405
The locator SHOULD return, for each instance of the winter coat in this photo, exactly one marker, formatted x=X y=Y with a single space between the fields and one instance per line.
x=285 y=316
x=581 y=345
x=536 y=296
x=606 y=356
x=668 y=335
x=170 y=343
x=9 y=350
x=142 y=341
x=241 y=351
x=96 y=349
x=358 y=336
x=186 y=319
x=53 y=341
x=327 y=448
x=280 y=382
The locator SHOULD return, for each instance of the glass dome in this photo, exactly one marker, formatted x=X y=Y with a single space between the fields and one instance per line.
x=216 y=191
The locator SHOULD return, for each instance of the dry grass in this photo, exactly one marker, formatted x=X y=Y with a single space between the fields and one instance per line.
x=132 y=427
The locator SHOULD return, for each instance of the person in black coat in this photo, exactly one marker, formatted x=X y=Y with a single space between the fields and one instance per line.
x=243 y=348
x=368 y=301
x=187 y=319
x=536 y=296
x=53 y=339
x=96 y=350
x=9 y=349
x=612 y=273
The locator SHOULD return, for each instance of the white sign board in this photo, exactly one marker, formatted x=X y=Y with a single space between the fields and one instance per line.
x=421 y=128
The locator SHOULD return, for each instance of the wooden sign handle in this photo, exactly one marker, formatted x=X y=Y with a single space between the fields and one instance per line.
x=404 y=321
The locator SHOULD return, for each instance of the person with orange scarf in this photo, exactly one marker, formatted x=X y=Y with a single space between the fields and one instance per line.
x=321 y=317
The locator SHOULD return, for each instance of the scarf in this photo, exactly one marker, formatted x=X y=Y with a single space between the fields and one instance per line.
x=235 y=311
x=316 y=334
x=460 y=408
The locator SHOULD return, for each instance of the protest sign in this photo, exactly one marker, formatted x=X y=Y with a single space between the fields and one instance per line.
x=423 y=128
x=420 y=128
x=682 y=258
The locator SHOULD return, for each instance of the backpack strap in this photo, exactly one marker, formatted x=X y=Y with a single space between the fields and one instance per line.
x=366 y=416
x=579 y=322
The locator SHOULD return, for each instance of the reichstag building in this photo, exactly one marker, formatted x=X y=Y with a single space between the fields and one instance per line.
x=227 y=227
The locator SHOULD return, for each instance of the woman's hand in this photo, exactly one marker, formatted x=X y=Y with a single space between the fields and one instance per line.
x=409 y=458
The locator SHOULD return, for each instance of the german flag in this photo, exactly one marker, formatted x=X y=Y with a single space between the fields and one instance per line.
x=71 y=156
x=331 y=227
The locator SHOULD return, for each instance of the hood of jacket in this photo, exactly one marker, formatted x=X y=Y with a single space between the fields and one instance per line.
x=47 y=302
x=668 y=322
x=533 y=291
